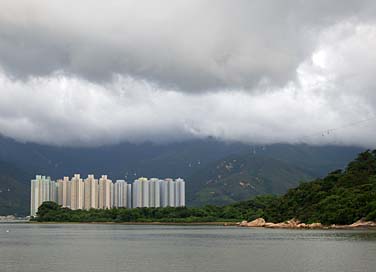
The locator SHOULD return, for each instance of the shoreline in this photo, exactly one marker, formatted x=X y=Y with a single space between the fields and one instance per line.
x=227 y=224
x=283 y=225
x=295 y=224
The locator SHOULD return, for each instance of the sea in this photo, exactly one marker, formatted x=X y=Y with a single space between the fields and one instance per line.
x=148 y=248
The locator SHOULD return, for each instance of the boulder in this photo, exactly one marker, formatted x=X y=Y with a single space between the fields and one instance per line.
x=259 y=222
x=244 y=223
x=362 y=224
x=315 y=226
x=293 y=221
x=271 y=225
x=302 y=226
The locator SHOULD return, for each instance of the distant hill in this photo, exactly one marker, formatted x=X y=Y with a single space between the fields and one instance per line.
x=192 y=160
x=240 y=177
x=14 y=193
x=118 y=160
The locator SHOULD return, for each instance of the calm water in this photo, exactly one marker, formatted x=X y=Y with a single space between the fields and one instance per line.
x=81 y=248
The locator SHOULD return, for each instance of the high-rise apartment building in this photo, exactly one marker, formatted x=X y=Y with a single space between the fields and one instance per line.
x=154 y=193
x=103 y=194
x=171 y=192
x=77 y=193
x=158 y=193
x=140 y=193
x=60 y=192
x=42 y=189
x=91 y=193
x=66 y=192
x=163 y=187
x=120 y=194
x=179 y=193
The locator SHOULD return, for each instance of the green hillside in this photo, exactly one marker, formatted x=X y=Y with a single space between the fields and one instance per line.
x=342 y=197
x=240 y=177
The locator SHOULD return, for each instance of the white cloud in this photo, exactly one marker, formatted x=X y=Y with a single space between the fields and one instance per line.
x=255 y=72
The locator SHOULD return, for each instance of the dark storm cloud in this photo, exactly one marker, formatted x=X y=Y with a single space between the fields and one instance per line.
x=93 y=72
x=187 y=45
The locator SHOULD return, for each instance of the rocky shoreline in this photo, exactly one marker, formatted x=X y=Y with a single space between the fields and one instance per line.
x=296 y=224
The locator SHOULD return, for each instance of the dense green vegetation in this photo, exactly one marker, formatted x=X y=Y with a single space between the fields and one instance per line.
x=50 y=211
x=342 y=197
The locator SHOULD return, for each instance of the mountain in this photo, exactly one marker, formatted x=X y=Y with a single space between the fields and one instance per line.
x=240 y=177
x=187 y=159
x=318 y=160
x=180 y=159
x=264 y=170
x=119 y=160
x=14 y=192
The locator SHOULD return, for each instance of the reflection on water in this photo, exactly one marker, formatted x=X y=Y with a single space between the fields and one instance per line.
x=96 y=247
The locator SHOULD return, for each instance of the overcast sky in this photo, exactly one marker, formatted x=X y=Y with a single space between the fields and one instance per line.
x=99 y=72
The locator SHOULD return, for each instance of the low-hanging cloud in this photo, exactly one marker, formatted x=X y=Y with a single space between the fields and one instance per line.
x=251 y=71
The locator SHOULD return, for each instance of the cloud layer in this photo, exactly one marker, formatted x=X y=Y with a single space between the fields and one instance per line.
x=251 y=71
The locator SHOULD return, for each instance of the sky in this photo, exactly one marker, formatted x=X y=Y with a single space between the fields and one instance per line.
x=88 y=73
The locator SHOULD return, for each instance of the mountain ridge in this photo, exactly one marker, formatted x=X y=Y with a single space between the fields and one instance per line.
x=184 y=159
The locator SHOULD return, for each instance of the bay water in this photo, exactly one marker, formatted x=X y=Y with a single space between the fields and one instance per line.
x=139 y=248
